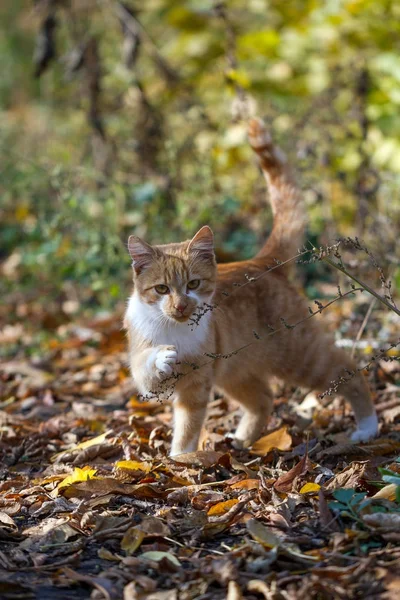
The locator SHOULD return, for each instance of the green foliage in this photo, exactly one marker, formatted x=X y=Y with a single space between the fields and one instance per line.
x=167 y=151
x=353 y=505
x=348 y=502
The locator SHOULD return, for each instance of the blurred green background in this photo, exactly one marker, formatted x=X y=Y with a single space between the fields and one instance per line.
x=131 y=118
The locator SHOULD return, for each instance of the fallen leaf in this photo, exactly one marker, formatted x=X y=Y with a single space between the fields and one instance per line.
x=285 y=482
x=389 y=521
x=132 y=540
x=246 y=484
x=157 y=556
x=149 y=527
x=107 y=555
x=279 y=439
x=388 y=492
x=201 y=458
x=310 y=488
x=262 y=534
x=133 y=465
x=76 y=476
x=222 y=507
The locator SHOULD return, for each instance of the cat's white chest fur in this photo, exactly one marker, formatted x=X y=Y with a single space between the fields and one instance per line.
x=157 y=329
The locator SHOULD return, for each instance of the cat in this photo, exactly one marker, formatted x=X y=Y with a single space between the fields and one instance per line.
x=195 y=327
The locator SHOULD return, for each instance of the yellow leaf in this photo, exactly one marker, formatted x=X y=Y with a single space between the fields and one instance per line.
x=133 y=465
x=78 y=475
x=279 y=439
x=388 y=492
x=132 y=540
x=310 y=488
x=99 y=439
x=240 y=77
x=222 y=507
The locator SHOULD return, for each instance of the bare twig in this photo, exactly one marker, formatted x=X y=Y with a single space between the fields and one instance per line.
x=363 y=326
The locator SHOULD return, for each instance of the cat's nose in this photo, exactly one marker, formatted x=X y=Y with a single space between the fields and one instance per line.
x=180 y=307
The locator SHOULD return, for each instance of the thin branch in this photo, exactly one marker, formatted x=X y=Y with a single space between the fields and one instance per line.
x=133 y=24
x=363 y=326
x=362 y=284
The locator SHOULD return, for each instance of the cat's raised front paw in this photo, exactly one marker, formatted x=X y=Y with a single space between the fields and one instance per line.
x=166 y=358
x=367 y=429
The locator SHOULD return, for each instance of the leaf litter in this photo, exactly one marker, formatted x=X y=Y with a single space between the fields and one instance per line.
x=91 y=506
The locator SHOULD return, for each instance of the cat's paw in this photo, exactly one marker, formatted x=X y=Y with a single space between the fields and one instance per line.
x=165 y=360
x=237 y=443
x=367 y=429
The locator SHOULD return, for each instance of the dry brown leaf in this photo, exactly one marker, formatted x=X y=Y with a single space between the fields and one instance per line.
x=201 y=458
x=108 y=485
x=285 y=481
x=149 y=527
x=348 y=478
x=389 y=521
x=261 y=534
x=279 y=439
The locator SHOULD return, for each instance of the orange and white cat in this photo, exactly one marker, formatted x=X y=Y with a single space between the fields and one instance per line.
x=188 y=317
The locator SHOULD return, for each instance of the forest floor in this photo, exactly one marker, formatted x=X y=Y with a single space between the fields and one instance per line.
x=92 y=507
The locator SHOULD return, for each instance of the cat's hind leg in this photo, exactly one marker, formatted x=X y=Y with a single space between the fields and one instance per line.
x=256 y=400
x=336 y=372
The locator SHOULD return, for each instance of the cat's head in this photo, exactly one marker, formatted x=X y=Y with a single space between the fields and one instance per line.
x=175 y=279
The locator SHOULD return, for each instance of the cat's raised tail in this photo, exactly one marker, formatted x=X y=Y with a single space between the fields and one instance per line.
x=286 y=237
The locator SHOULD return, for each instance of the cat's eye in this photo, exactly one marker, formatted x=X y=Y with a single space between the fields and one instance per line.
x=162 y=289
x=194 y=284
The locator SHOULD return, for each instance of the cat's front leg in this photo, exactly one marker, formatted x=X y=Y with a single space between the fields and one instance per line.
x=152 y=366
x=190 y=406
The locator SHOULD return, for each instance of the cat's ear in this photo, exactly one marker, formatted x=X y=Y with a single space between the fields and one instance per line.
x=141 y=252
x=203 y=244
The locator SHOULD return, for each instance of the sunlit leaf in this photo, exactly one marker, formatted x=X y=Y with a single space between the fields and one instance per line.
x=78 y=475
x=222 y=507
x=279 y=439
x=310 y=488
x=246 y=484
x=133 y=465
